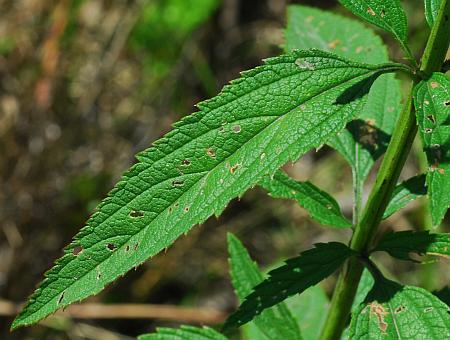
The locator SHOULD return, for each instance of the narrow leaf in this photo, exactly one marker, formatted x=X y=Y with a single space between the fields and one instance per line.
x=392 y=311
x=321 y=206
x=365 y=139
x=432 y=102
x=401 y=244
x=432 y=10
x=299 y=273
x=405 y=193
x=184 y=333
x=386 y=14
x=273 y=114
x=274 y=322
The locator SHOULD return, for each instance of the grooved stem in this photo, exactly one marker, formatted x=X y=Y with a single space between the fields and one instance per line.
x=391 y=166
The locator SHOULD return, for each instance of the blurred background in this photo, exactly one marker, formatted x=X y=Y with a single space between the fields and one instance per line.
x=84 y=85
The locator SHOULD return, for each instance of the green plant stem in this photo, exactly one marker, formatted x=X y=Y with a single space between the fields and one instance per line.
x=391 y=166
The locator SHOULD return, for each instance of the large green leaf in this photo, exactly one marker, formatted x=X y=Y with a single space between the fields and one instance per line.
x=271 y=115
x=404 y=193
x=401 y=244
x=365 y=139
x=321 y=206
x=392 y=311
x=310 y=309
x=184 y=333
x=432 y=10
x=299 y=273
x=386 y=14
x=432 y=102
x=274 y=322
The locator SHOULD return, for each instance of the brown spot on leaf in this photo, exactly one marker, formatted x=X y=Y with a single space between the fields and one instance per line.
x=136 y=213
x=371 y=11
x=379 y=312
x=77 y=250
x=177 y=183
x=210 y=152
x=333 y=44
x=234 y=168
x=236 y=128
x=400 y=309
x=185 y=162
x=61 y=298
x=111 y=246
x=434 y=85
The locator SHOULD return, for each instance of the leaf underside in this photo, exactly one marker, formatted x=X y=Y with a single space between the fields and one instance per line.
x=432 y=102
x=401 y=244
x=432 y=10
x=405 y=193
x=274 y=322
x=272 y=115
x=386 y=14
x=392 y=311
x=299 y=273
x=321 y=206
x=366 y=138
x=184 y=333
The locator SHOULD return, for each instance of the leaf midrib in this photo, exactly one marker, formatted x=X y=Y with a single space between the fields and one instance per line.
x=143 y=230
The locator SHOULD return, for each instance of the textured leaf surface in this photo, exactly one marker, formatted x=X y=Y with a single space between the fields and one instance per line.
x=405 y=193
x=321 y=206
x=299 y=273
x=401 y=244
x=432 y=10
x=432 y=102
x=184 y=333
x=271 y=115
x=276 y=322
x=364 y=287
x=366 y=138
x=393 y=311
x=386 y=14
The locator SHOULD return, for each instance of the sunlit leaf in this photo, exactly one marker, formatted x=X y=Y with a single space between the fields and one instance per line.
x=366 y=138
x=432 y=10
x=392 y=311
x=405 y=193
x=386 y=14
x=432 y=102
x=321 y=206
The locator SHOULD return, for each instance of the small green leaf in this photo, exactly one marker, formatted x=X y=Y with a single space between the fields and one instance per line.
x=274 y=322
x=386 y=14
x=401 y=244
x=184 y=333
x=432 y=10
x=392 y=311
x=271 y=115
x=299 y=273
x=432 y=102
x=365 y=139
x=321 y=206
x=405 y=193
